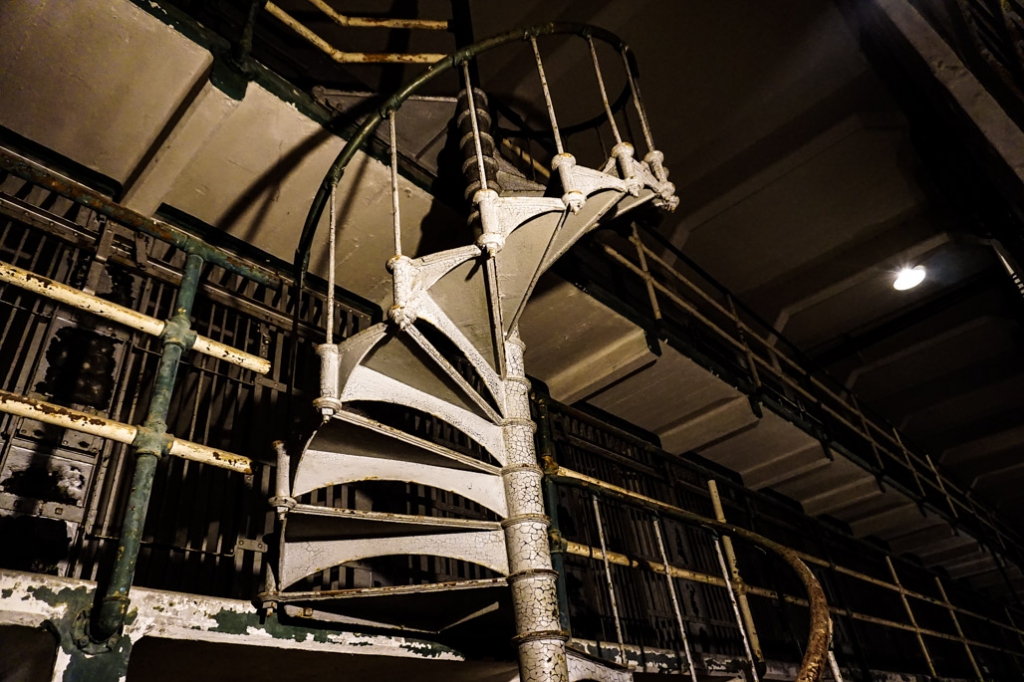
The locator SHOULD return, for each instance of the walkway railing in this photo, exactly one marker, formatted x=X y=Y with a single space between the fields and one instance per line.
x=677 y=289
x=665 y=515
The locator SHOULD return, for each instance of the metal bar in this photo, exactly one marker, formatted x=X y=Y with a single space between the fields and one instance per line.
x=834 y=665
x=673 y=297
x=866 y=426
x=820 y=627
x=737 y=579
x=910 y=615
x=385 y=22
x=536 y=167
x=470 y=101
x=575 y=478
x=70 y=296
x=648 y=281
x=595 y=553
x=608 y=580
x=579 y=549
x=942 y=487
x=109 y=617
x=342 y=57
x=95 y=425
x=867 y=434
x=751 y=363
x=604 y=93
x=959 y=631
x=25 y=169
x=332 y=245
x=547 y=97
x=637 y=102
x=736 y=609
x=656 y=521
x=396 y=215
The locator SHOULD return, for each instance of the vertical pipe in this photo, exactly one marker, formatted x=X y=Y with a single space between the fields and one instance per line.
x=942 y=486
x=604 y=93
x=675 y=601
x=734 y=569
x=910 y=615
x=331 y=243
x=114 y=605
x=539 y=637
x=476 y=126
x=608 y=579
x=547 y=97
x=735 y=608
x=395 y=212
x=641 y=256
x=959 y=631
x=840 y=595
x=834 y=665
x=637 y=102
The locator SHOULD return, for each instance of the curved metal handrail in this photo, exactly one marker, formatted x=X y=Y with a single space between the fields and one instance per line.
x=820 y=633
x=393 y=103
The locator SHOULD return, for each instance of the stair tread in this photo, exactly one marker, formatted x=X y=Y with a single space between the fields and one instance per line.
x=419 y=450
x=429 y=608
x=356 y=524
x=391 y=590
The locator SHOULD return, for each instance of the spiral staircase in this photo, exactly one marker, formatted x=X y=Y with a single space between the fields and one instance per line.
x=450 y=351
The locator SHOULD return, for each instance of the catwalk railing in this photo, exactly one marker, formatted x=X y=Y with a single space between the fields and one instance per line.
x=613 y=542
x=671 y=295
x=207 y=532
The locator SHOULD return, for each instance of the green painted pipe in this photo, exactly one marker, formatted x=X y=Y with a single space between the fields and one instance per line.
x=177 y=337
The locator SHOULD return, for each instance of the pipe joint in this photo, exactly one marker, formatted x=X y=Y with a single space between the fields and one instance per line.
x=152 y=439
x=106 y=626
x=178 y=332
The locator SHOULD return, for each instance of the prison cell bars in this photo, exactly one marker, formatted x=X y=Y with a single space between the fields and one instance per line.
x=150 y=440
x=557 y=476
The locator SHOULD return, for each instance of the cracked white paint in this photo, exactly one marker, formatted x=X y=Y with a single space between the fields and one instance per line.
x=174 y=615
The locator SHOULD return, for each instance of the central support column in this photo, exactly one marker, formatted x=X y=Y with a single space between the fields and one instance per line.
x=539 y=636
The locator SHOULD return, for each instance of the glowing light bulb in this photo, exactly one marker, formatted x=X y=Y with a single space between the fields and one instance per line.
x=908 y=278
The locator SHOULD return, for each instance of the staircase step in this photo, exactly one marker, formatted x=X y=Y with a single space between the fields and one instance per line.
x=351 y=448
x=428 y=608
x=377 y=365
x=318 y=538
x=333 y=522
x=534 y=245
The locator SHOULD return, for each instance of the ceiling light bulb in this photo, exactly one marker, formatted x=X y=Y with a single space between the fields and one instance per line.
x=908 y=278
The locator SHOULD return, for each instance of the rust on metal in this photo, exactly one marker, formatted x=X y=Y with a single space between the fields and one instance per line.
x=820 y=627
x=343 y=57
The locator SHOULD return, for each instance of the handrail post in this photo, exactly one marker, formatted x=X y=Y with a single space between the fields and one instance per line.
x=910 y=615
x=670 y=581
x=959 y=630
x=608 y=580
x=737 y=579
x=177 y=336
x=733 y=591
x=642 y=257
